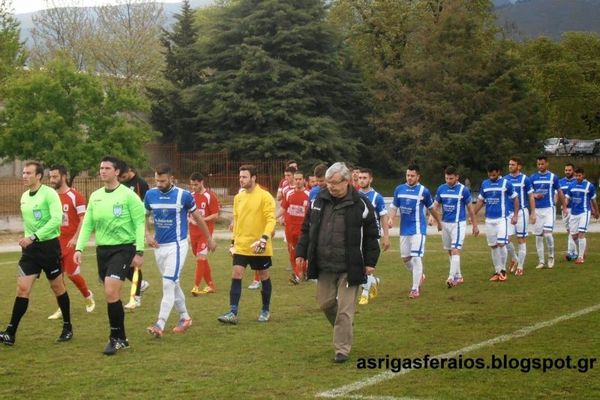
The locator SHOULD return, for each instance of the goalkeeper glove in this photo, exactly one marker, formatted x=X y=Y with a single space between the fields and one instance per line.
x=260 y=245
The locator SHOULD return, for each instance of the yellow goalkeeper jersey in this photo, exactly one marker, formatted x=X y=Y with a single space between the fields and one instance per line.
x=253 y=216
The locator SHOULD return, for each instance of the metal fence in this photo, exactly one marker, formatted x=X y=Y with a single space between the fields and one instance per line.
x=220 y=175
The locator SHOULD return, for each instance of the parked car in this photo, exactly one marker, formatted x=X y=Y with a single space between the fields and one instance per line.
x=558 y=146
x=584 y=148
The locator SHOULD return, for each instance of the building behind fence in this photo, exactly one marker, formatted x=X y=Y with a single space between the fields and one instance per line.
x=220 y=175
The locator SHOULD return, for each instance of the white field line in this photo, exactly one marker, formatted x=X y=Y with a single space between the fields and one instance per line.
x=387 y=375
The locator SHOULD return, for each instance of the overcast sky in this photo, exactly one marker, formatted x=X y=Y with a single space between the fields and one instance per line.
x=26 y=6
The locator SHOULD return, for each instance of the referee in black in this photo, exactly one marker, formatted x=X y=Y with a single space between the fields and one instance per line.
x=42 y=214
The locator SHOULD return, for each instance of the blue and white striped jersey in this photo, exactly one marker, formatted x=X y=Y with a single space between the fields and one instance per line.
x=411 y=202
x=522 y=186
x=580 y=196
x=170 y=210
x=454 y=200
x=545 y=184
x=564 y=184
x=496 y=194
x=377 y=201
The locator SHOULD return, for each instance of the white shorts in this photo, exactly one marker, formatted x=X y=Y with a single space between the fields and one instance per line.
x=412 y=246
x=496 y=231
x=520 y=229
x=579 y=223
x=544 y=221
x=453 y=234
x=170 y=258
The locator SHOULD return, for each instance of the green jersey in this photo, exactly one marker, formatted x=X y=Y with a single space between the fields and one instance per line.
x=117 y=216
x=42 y=213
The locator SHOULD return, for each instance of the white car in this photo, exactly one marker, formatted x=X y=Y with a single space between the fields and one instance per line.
x=558 y=146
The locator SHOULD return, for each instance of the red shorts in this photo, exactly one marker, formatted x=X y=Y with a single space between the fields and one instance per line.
x=199 y=244
x=68 y=265
x=292 y=234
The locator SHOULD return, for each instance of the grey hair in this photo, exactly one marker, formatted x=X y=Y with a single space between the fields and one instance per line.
x=338 y=168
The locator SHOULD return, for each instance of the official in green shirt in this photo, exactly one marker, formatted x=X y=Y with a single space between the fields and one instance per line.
x=42 y=215
x=117 y=216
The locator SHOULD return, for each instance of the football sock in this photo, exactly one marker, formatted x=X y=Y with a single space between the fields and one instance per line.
x=571 y=246
x=19 y=309
x=582 y=245
x=168 y=299
x=455 y=266
x=234 y=294
x=522 y=254
x=265 y=293
x=80 y=283
x=116 y=319
x=65 y=307
x=180 y=302
x=417 y=272
x=539 y=246
x=550 y=243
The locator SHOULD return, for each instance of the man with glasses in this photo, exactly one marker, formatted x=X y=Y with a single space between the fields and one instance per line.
x=339 y=241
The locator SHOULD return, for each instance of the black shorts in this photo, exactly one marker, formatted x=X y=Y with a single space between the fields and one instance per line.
x=41 y=256
x=255 y=262
x=114 y=261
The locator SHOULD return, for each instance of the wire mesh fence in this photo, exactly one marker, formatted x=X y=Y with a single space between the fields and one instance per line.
x=220 y=175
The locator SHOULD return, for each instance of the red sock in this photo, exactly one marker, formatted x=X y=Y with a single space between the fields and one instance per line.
x=80 y=283
x=297 y=268
x=199 y=272
x=208 y=275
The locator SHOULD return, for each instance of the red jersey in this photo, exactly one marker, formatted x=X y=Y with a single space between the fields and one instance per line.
x=295 y=204
x=73 y=205
x=208 y=204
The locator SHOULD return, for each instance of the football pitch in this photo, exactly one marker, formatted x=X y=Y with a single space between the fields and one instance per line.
x=531 y=337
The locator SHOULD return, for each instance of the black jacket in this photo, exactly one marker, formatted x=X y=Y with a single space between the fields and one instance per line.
x=362 y=246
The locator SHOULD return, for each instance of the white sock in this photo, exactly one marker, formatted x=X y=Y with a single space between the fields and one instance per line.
x=168 y=299
x=495 y=258
x=582 y=244
x=510 y=247
x=539 y=246
x=503 y=255
x=522 y=254
x=455 y=266
x=367 y=286
x=180 y=303
x=571 y=246
x=550 y=243
x=417 y=272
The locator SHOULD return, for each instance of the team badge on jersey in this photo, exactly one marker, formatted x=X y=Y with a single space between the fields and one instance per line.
x=118 y=210
x=37 y=214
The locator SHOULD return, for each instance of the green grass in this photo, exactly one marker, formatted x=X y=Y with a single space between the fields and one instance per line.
x=291 y=356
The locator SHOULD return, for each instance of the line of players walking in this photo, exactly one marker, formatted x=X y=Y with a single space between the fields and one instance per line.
x=511 y=202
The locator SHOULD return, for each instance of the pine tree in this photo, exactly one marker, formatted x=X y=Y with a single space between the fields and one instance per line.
x=273 y=84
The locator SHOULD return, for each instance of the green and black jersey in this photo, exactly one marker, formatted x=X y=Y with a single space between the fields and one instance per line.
x=117 y=217
x=42 y=213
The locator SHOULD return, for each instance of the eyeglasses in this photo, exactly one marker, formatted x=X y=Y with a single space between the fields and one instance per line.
x=331 y=183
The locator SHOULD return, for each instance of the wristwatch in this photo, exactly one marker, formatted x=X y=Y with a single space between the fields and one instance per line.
x=33 y=238
x=139 y=253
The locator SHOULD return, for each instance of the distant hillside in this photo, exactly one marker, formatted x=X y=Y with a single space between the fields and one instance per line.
x=532 y=18
x=520 y=19
x=170 y=9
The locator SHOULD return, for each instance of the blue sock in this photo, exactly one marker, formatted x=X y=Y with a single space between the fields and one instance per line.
x=266 y=294
x=234 y=294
